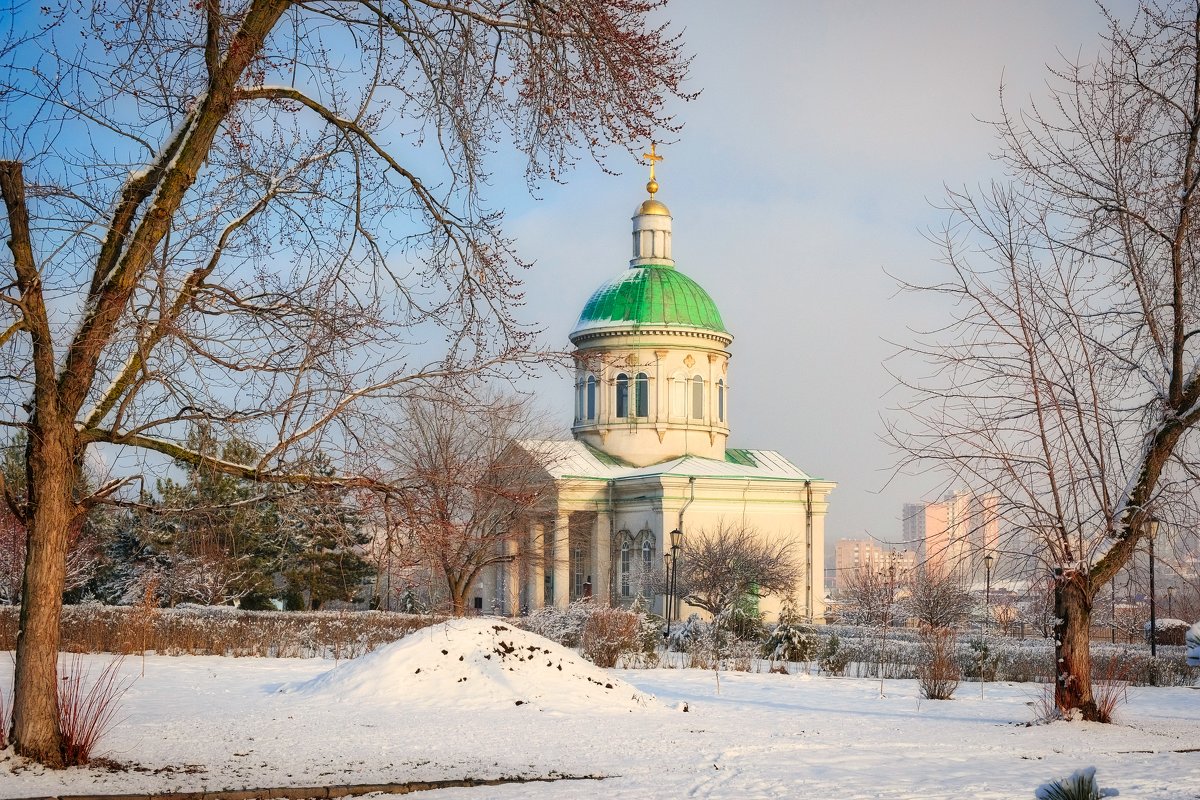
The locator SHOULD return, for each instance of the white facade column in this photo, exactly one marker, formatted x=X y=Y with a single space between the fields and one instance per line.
x=562 y=560
x=602 y=558
x=512 y=578
x=536 y=588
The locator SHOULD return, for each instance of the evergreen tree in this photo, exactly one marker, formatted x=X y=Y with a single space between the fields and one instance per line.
x=323 y=541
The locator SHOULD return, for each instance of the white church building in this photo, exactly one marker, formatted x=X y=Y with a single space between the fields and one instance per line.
x=649 y=453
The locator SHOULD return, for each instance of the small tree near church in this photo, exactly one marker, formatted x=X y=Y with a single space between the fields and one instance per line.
x=471 y=494
x=1067 y=380
x=723 y=565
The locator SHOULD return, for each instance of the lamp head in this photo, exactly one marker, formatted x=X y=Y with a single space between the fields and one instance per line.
x=987 y=560
x=1152 y=527
x=676 y=539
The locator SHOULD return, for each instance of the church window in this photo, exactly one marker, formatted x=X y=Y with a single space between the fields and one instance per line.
x=721 y=401
x=577 y=572
x=647 y=560
x=641 y=395
x=622 y=396
x=697 y=397
x=591 y=397
x=679 y=396
x=625 y=569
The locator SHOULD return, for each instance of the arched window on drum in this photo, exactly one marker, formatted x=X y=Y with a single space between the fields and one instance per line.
x=641 y=395
x=590 y=398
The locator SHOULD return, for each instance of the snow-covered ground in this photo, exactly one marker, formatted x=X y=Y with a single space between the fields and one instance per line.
x=207 y=722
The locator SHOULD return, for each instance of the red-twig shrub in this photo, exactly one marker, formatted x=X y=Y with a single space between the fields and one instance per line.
x=608 y=633
x=938 y=672
x=87 y=710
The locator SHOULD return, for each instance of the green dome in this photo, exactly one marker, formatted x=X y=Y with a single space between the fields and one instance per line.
x=650 y=295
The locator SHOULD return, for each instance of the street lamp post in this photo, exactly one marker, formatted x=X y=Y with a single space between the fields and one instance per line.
x=673 y=579
x=987 y=612
x=987 y=592
x=1152 y=531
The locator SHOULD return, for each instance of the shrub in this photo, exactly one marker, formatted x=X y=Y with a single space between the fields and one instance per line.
x=744 y=622
x=608 y=633
x=938 y=673
x=791 y=642
x=978 y=662
x=834 y=659
x=647 y=653
x=684 y=637
x=85 y=715
x=716 y=648
x=562 y=625
x=222 y=631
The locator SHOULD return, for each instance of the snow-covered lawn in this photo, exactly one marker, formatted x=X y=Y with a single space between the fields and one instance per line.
x=207 y=722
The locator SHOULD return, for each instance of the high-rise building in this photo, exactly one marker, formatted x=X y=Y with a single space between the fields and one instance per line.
x=955 y=532
x=851 y=555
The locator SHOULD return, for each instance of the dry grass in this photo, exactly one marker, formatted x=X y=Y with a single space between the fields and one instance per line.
x=87 y=710
x=222 y=630
x=1110 y=689
x=5 y=719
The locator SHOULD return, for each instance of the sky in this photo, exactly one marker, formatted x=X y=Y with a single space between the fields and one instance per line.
x=807 y=175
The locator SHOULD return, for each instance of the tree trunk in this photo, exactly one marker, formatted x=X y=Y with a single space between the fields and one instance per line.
x=458 y=599
x=51 y=470
x=1072 y=638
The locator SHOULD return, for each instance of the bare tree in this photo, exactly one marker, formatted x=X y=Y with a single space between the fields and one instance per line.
x=723 y=565
x=471 y=492
x=868 y=595
x=1068 y=379
x=937 y=598
x=211 y=219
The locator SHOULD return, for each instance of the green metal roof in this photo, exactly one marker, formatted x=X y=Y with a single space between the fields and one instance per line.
x=736 y=455
x=651 y=294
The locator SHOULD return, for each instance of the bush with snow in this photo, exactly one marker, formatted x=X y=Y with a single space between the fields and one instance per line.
x=562 y=625
x=791 y=639
x=683 y=636
x=833 y=659
x=1192 y=640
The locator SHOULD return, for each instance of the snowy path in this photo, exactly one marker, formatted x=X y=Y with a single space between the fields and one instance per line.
x=194 y=723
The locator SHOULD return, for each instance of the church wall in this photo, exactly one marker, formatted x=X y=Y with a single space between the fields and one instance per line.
x=773 y=508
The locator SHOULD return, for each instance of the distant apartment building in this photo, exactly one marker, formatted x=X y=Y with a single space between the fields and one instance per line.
x=851 y=555
x=913 y=520
x=954 y=533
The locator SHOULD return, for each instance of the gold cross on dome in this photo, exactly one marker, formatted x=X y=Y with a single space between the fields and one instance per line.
x=653 y=158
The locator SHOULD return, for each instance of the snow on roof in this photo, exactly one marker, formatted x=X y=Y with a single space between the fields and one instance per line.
x=481 y=663
x=569 y=458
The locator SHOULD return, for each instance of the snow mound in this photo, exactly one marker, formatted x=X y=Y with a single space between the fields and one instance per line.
x=476 y=663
